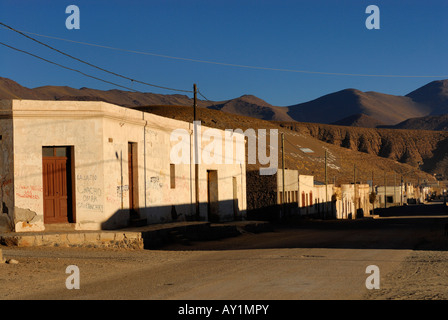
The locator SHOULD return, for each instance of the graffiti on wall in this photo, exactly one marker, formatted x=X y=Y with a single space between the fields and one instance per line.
x=29 y=192
x=154 y=183
x=89 y=195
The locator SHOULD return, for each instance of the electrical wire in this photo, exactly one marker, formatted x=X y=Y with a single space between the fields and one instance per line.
x=90 y=64
x=239 y=65
x=68 y=68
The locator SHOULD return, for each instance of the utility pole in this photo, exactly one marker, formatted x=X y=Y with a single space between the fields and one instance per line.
x=196 y=151
x=354 y=187
x=373 y=203
x=283 y=173
x=401 y=191
x=326 y=185
x=395 y=182
x=385 y=197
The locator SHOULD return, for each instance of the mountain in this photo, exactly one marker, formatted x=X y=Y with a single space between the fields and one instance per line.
x=434 y=95
x=418 y=148
x=10 y=89
x=297 y=137
x=359 y=120
x=249 y=105
x=222 y=115
x=346 y=107
x=437 y=123
x=385 y=108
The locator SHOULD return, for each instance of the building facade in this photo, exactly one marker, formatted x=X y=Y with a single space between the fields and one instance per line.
x=98 y=166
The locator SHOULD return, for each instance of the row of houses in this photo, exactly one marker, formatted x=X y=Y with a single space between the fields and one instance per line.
x=95 y=165
x=302 y=196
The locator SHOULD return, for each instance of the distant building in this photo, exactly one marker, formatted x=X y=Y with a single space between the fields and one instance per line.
x=100 y=166
x=269 y=199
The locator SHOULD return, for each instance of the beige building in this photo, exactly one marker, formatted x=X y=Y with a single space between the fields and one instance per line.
x=346 y=206
x=288 y=188
x=353 y=201
x=99 y=166
x=306 y=197
x=323 y=196
x=315 y=198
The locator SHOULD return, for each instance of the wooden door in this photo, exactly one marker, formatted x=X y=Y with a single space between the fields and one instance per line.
x=55 y=188
x=133 y=178
x=212 y=194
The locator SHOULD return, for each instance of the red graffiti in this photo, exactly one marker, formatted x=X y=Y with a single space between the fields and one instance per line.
x=28 y=195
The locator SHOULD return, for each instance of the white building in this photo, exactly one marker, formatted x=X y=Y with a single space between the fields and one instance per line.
x=97 y=166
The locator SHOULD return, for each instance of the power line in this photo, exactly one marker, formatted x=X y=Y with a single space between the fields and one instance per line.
x=90 y=64
x=71 y=69
x=213 y=103
x=239 y=65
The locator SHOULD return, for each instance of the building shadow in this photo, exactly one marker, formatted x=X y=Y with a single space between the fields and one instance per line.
x=420 y=227
x=180 y=223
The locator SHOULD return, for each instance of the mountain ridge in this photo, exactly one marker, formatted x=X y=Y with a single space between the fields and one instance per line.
x=359 y=140
x=345 y=107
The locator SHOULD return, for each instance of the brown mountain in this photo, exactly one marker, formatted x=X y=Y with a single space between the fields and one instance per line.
x=10 y=89
x=249 y=105
x=388 y=109
x=434 y=95
x=346 y=107
x=359 y=120
x=341 y=159
x=437 y=123
x=418 y=148
x=340 y=107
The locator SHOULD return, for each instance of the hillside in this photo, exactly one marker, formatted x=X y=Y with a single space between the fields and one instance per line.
x=366 y=149
x=437 y=123
x=251 y=106
x=10 y=89
x=346 y=107
x=434 y=95
x=359 y=120
x=388 y=109
x=340 y=160
x=427 y=149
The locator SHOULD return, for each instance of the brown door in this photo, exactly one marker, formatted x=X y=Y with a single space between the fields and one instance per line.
x=55 y=186
x=133 y=178
x=212 y=193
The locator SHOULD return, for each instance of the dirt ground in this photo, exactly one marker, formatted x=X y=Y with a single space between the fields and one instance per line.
x=323 y=260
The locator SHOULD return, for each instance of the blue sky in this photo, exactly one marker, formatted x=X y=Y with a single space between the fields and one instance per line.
x=320 y=36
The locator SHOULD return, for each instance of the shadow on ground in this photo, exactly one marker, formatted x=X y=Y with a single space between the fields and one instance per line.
x=414 y=227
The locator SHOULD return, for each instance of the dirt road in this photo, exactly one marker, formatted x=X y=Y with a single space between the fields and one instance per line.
x=314 y=260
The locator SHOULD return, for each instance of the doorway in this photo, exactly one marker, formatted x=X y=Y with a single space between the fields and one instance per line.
x=235 y=198
x=57 y=174
x=133 y=179
x=212 y=196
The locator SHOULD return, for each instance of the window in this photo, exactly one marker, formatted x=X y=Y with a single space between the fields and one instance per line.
x=172 y=176
x=54 y=151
